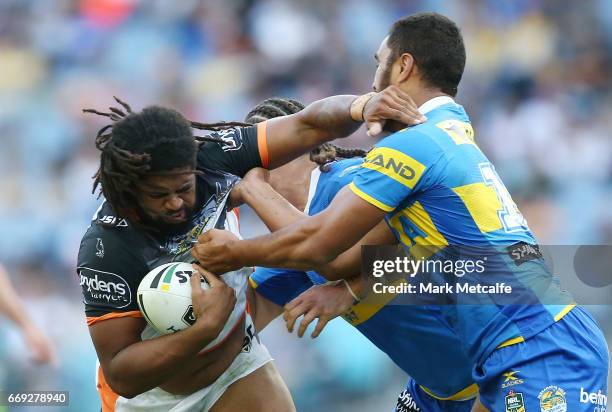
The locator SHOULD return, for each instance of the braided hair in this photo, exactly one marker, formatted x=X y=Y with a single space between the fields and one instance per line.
x=329 y=152
x=155 y=141
x=271 y=108
x=277 y=107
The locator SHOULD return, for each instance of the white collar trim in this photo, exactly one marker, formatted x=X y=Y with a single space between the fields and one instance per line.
x=434 y=103
x=314 y=180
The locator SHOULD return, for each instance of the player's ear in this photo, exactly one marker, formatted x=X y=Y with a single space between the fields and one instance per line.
x=406 y=63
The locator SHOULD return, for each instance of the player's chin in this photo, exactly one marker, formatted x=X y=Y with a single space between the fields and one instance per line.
x=173 y=221
x=176 y=218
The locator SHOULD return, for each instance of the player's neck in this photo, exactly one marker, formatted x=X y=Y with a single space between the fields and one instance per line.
x=292 y=181
x=422 y=95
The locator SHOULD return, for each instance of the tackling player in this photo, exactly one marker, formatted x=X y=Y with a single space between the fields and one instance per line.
x=441 y=367
x=161 y=191
x=436 y=190
x=395 y=330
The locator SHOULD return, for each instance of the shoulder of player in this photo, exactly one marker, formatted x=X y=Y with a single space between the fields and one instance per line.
x=418 y=142
x=224 y=140
x=102 y=245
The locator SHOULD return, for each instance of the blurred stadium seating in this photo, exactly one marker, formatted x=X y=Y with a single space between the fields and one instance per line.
x=538 y=86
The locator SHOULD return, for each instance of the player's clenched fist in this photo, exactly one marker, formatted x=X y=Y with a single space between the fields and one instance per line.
x=213 y=306
x=214 y=251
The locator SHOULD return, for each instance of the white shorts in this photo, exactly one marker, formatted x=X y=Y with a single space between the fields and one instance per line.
x=253 y=356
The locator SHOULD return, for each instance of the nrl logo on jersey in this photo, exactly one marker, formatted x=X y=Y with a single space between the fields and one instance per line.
x=515 y=402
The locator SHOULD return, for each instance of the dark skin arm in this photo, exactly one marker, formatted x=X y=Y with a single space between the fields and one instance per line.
x=132 y=366
x=276 y=212
x=309 y=243
x=291 y=136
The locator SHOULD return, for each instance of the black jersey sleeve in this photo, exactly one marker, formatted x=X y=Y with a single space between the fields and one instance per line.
x=239 y=150
x=109 y=273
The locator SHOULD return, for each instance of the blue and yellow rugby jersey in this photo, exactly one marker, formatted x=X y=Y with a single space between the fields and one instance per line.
x=416 y=338
x=440 y=191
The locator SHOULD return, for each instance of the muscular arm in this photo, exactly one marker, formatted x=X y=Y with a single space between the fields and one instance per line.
x=309 y=243
x=328 y=119
x=273 y=209
x=276 y=212
x=132 y=366
x=348 y=264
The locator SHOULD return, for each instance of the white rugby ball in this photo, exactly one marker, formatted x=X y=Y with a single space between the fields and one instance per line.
x=164 y=297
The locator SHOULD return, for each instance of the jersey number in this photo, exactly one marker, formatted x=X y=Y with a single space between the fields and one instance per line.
x=509 y=215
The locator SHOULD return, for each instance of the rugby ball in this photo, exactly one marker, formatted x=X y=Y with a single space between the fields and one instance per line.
x=164 y=297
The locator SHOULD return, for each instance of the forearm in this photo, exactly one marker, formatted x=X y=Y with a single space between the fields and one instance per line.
x=150 y=363
x=344 y=266
x=331 y=117
x=302 y=245
x=347 y=264
x=10 y=305
x=321 y=121
x=273 y=209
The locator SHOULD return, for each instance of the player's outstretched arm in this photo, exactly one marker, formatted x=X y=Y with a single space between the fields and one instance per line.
x=271 y=207
x=349 y=262
x=291 y=136
x=310 y=243
x=132 y=366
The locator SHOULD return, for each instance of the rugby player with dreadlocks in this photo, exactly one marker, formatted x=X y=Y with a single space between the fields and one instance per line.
x=163 y=187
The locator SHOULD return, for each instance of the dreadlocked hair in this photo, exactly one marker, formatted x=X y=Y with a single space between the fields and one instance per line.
x=271 y=108
x=155 y=141
x=329 y=152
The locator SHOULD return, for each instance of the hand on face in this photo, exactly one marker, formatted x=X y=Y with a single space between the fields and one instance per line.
x=390 y=104
x=214 y=251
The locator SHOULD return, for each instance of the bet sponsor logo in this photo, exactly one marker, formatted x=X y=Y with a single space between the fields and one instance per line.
x=598 y=399
x=515 y=402
x=511 y=379
x=552 y=399
x=406 y=403
x=104 y=288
